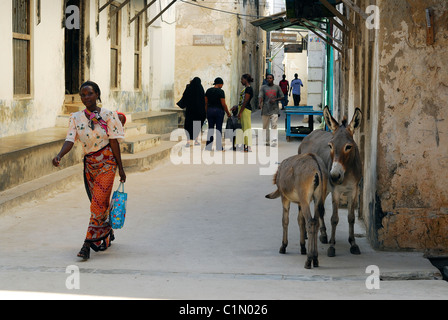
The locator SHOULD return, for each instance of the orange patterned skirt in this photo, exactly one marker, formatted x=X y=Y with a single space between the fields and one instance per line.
x=99 y=174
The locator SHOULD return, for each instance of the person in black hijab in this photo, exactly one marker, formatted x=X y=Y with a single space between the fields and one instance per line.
x=194 y=101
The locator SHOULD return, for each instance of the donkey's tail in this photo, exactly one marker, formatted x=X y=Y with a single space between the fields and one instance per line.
x=274 y=195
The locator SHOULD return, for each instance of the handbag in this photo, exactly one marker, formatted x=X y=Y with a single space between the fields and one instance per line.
x=118 y=208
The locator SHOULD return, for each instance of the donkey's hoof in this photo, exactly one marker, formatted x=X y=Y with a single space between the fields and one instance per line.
x=308 y=264
x=355 y=250
x=315 y=263
x=303 y=251
x=282 y=250
x=331 y=252
x=323 y=239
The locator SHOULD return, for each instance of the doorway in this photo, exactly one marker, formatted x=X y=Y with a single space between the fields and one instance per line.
x=73 y=52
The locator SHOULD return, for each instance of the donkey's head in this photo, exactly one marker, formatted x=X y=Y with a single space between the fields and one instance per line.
x=343 y=148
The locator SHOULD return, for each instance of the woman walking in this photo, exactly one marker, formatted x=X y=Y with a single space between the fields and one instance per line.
x=100 y=131
x=245 y=112
x=194 y=100
x=215 y=106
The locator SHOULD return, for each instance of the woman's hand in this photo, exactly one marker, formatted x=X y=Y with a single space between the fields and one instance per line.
x=56 y=160
x=122 y=175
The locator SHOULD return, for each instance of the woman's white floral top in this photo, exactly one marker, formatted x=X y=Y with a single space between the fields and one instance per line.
x=96 y=139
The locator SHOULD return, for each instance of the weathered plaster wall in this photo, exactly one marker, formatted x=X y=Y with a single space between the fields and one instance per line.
x=228 y=61
x=401 y=85
x=413 y=127
x=157 y=69
x=39 y=109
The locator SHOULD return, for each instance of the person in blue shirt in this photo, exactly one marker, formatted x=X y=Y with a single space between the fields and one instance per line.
x=295 y=88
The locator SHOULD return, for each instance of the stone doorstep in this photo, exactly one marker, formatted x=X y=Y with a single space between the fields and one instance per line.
x=140 y=143
x=73 y=107
x=134 y=129
x=61 y=180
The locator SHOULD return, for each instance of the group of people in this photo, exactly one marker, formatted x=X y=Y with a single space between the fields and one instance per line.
x=211 y=105
x=100 y=132
x=294 y=89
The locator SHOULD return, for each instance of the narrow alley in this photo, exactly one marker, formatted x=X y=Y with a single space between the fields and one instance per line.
x=196 y=232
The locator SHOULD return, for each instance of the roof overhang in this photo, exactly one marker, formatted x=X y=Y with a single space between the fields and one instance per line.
x=310 y=9
x=278 y=21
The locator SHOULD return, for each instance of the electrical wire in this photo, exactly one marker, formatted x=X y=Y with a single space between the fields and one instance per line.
x=223 y=11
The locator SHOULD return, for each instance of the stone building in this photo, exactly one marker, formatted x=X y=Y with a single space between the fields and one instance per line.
x=48 y=51
x=49 y=48
x=216 y=39
x=388 y=59
x=393 y=70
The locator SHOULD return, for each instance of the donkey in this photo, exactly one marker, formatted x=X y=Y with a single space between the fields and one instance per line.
x=302 y=179
x=343 y=163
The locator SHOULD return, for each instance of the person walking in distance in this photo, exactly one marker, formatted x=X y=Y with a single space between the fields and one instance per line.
x=100 y=132
x=284 y=85
x=215 y=107
x=245 y=112
x=269 y=97
x=194 y=100
x=296 y=85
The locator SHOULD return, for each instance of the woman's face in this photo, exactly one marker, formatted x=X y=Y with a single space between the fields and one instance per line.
x=88 y=97
x=243 y=81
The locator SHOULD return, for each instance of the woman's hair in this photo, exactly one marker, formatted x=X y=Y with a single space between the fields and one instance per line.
x=248 y=77
x=94 y=86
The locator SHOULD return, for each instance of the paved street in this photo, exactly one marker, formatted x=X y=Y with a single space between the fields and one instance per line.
x=195 y=232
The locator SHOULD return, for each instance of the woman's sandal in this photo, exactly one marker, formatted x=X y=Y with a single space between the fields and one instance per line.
x=107 y=242
x=84 y=253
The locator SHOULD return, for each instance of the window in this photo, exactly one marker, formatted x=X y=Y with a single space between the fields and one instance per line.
x=137 y=54
x=115 y=48
x=21 y=15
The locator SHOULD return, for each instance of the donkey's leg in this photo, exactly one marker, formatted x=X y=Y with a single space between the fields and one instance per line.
x=311 y=234
x=334 y=222
x=320 y=212
x=285 y=221
x=315 y=227
x=302 y=226
x=354 y=249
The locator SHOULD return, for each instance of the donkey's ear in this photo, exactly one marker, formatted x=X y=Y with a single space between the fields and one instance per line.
x=331 y=122
x=356 y=121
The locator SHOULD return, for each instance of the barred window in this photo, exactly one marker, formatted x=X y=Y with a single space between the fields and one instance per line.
x=137 y=53
x=115 y=48
x=21 y=15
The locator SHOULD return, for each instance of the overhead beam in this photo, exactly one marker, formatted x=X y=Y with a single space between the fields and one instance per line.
x=309 y=25
x=121 y=6
x=142 y=11
x=108 y=3
x=338 y=14
x=160 y=13
x=338 y=25
x=320 y=36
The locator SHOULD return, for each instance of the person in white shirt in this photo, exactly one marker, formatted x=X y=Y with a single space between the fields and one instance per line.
x=296 y=85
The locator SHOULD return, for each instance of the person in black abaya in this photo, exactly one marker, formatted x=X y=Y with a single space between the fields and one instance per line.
x=194 y=101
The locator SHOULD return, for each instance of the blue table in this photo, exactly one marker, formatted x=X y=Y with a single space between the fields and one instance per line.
x=302 y=110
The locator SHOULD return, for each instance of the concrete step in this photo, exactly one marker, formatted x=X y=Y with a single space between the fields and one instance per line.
x=73 y=107
x=61 y=179
x=134 y=129
x=157 y=122
x=140 y=143
x=26 y=157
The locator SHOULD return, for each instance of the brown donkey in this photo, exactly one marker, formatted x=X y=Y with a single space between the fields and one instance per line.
x=302 y=179
x=343 y=164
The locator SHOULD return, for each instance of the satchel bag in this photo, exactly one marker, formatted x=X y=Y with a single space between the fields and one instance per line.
x=118 y=208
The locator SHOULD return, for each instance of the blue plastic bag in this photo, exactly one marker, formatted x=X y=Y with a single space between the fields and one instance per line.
x=118 y=208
